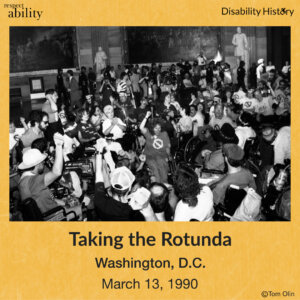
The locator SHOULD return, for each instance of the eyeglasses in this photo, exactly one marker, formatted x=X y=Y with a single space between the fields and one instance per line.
x=46 y=122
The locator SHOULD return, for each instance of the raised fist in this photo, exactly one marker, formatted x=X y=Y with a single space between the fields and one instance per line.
x=148 y=114
x=139 y=199
x=58 y=139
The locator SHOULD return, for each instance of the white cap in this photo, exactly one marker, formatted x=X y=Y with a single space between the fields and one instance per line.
x=122 y=178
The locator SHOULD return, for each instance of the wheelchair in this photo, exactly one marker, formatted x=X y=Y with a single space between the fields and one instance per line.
x=131 y=137
x=277 y=195
x=233 y=198
x=234 y=195
x=194 y=144
x=31 y=212
x=14 y=201
x=251 y=159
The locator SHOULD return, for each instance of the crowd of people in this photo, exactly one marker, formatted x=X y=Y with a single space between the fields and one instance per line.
x=185 y=142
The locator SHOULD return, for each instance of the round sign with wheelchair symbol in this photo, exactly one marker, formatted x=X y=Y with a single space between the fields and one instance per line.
x=158 y=144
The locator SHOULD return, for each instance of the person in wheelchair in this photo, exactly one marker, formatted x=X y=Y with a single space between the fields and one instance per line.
x=236 y=174
x=214 y=160
x=113 y=129
x=113 y=125
x=34 y=182
x=218 y=117
x=157 y=149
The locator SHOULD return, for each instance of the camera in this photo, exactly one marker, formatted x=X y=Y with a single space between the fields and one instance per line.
x=83 y=167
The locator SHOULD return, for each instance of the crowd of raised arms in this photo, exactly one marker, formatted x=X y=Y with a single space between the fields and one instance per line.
x=191 y=141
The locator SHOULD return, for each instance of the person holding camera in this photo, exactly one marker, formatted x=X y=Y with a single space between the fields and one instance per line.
x=34 y=182
x=106 y=91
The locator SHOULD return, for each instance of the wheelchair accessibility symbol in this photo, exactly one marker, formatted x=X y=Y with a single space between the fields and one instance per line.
x=158 y=144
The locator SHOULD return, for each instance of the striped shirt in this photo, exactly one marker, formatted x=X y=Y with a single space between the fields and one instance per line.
x=122 y=87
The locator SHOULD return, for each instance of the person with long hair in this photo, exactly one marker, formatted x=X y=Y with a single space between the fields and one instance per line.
x=86 y=131
x=157 y=149
x=97 y=117
x=196 y=201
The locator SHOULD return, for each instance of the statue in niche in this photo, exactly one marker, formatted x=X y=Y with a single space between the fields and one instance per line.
x=100 y=61
x=240 y=43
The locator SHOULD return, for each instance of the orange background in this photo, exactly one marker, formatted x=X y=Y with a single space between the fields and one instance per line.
x=38 y=261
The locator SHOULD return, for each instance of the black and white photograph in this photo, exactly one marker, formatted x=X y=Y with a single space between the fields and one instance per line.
x=150 y=124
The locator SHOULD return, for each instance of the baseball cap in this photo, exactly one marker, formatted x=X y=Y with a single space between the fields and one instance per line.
x=122 y=178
